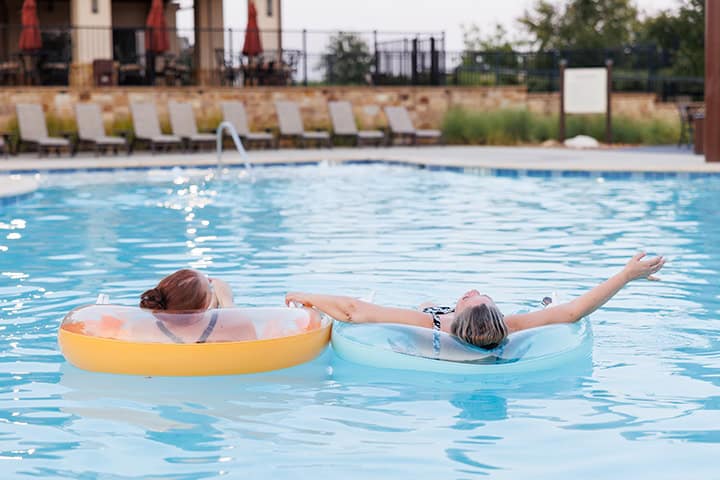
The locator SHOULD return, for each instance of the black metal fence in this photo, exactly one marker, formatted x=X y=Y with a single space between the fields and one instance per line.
x=384 y=58
x=635 y=69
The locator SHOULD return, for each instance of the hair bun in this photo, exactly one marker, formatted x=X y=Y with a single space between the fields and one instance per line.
x=153 y=299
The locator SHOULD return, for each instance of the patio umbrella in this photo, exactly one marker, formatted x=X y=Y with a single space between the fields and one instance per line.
x=30 y=39
x=252 y=46
x=156 y=34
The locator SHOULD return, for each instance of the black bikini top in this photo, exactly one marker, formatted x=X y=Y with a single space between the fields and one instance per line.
x=435 y=313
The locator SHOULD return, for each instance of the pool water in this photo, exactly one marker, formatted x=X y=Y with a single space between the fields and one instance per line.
x=646 y=404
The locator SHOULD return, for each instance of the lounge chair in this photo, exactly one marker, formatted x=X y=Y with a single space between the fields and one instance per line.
x=291 y=125
x=401 y=127
x=182 y=120
x=92 y=131
x=234 y=112
x=147 y=128
x=344 y=125
x=33 y=130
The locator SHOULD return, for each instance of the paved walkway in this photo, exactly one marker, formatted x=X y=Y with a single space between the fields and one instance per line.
x=526 y=158
x=491 y=158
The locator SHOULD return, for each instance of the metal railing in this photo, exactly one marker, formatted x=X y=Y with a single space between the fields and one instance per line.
x=214 y=57
x=219 y=133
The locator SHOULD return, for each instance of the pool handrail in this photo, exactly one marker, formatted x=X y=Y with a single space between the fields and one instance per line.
x=236 y=139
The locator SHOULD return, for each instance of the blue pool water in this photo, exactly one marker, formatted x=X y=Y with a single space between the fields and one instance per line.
x=645 y=405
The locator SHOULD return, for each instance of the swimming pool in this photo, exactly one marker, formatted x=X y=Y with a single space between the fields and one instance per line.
x=646 y=405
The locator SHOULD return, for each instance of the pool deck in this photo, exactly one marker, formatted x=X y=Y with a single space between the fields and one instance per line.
x=668 y=160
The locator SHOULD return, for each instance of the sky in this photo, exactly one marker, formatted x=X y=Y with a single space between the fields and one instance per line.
x=402 y=15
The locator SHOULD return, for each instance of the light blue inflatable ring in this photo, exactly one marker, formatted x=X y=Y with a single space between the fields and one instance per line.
x=411 y=348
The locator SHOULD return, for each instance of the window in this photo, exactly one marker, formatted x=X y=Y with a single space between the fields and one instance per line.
x=269 y=8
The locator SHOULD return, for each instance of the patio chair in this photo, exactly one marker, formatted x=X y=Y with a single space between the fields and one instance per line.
x=11 y=71
x=226 y=72
x=146 y=127
x=344 y=125
x=182 y=120
x=3 y=149
x=33 y=130
x=401 y=127
x=234 y=112
x=91 y=130
x=291 y=125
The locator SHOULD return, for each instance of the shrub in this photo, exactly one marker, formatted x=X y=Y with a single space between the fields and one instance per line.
x=515 y=126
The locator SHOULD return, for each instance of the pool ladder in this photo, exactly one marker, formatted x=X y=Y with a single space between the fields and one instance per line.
x=238 y=144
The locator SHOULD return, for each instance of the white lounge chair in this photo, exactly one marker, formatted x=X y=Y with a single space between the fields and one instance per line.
x=92 y=131
x=147 y=128
x=33 y=130
x=291 y=125
x=182 y=120
x=234 y=112
x=402 y=127
x=344 y=125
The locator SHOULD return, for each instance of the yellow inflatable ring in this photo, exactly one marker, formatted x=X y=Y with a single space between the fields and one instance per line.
x=130 y=340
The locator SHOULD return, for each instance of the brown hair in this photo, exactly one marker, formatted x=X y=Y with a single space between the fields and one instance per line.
x=183 y=291
x=482 y=325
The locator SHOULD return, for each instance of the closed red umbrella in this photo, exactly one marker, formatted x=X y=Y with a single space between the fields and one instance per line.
x=156 y=34
x=252 y=46
x=30 y=39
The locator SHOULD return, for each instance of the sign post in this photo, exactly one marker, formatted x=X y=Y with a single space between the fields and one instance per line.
x=561 y=130
x=608 y=110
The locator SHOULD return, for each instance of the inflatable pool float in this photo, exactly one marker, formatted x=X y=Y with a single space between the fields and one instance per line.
x=130 y=340
x=411 y=348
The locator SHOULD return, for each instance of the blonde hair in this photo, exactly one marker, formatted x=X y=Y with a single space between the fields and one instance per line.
x=481 y=325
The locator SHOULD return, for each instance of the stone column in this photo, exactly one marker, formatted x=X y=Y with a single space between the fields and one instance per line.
x=712 y=81
x=91 y=38
x=270 y=25
x=209 y=37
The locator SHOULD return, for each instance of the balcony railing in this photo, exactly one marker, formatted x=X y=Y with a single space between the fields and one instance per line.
x=118 y=56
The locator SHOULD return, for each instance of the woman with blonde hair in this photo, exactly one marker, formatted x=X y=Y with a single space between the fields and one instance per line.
x=475 y=318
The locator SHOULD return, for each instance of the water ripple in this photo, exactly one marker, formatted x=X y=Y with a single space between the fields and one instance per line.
x=653 y=381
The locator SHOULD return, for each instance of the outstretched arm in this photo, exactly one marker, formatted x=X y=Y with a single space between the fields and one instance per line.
x=590 y=301
x=349 y=309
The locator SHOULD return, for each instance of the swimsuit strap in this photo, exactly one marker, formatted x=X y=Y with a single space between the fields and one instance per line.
x=435 y=313
x=203 y=338
x=163 y=328
x=210 y=326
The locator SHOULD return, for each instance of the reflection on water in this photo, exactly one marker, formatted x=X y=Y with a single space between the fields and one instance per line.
x=645 y=403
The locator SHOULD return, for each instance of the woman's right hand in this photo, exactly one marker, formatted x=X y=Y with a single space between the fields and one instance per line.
x=639 y=268
x=298 y=297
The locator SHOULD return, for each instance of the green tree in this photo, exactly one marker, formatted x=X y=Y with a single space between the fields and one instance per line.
x=487 y=55
x=681 y=34
x=580 y=24
x=475 y=40
x=347 y=59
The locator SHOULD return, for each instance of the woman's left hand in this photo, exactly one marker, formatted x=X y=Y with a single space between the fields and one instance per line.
x=639 y=268
x=298 y=297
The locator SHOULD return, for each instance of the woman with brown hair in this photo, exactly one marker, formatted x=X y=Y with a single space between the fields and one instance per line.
x=178 y=302
x=475 y=318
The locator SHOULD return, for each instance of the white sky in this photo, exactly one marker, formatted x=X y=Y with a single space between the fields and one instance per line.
x=402 y=15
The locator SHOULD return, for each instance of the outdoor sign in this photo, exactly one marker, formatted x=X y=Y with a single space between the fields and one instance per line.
x=585 y=90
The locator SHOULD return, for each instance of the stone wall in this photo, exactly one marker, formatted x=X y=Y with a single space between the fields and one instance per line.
x=427 y=105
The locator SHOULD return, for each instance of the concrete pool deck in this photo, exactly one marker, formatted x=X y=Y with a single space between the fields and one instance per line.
x=474 y=158
x=526 y=158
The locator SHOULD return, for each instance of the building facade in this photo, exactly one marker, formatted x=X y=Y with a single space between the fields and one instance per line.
x=78 y=32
